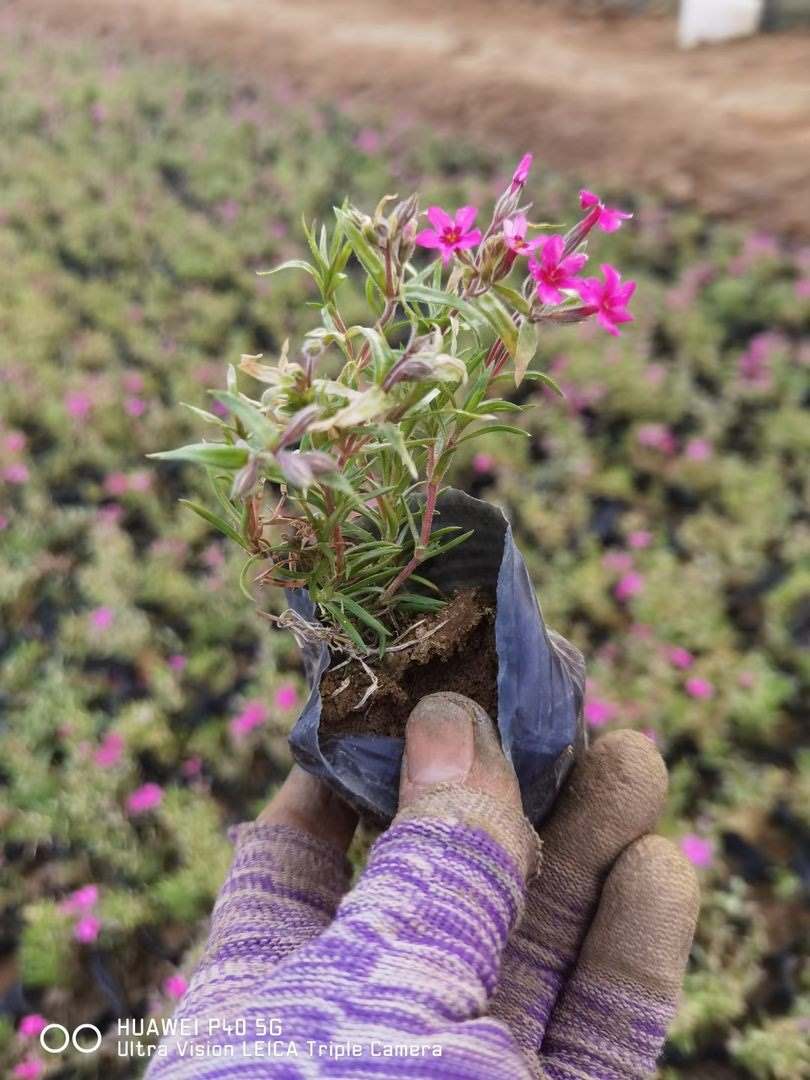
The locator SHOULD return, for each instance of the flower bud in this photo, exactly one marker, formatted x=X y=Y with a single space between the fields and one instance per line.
x=297 y=426
x=246 y=479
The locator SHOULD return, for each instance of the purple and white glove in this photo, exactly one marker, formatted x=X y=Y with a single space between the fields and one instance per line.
x=442 y=962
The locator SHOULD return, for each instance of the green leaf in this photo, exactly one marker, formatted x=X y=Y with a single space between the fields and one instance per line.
x=214 y=519
x=500 y=320
x=415 y=602
x=526 y=349
x=203 y=414
x=337 y=617
x=217 y=455
x=394 y=434
x=365 y=253
x=425 y=295
x=514 y=298
x=449 y=545
x=292 y=264
x=488 y=429
x=255 y=421
x=381 y=352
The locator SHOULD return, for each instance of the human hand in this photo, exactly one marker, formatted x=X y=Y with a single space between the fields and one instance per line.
x=423 y=953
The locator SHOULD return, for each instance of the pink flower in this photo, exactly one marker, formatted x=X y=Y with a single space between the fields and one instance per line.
x=16 y=473
x=3 y=522
x=177 y=662
x=656 y=437
x=514 y=233
x=140 y=480
x=552 y=272
x=133 y=382
x=608 y=298
x=698 y=450
x=679 y=657
x=699 y=688
x=450 y=234
x=747 y=679
x=110 y=751
x=134 y=406
x=286 y=696
x=521 y=173
x=639 y=538
x=803 y=289
x=78 y=404
x=31 y=1025
x=144 y=798
x=192 y=766
x=28 y=1069
x=81 y=900
x=697 y=850
x=14 y=442
x=116 y=483
x=253 y=715
x=110 y=514
x=87 y=929
x=368 y=140
x=598 y=712
x=608 y=219
x=483 y=463
x=620 y=561
x=102 y=618
x=629 y=585
x=228 y=211
x=175 y=986
x=651 y=734
x=218 y=409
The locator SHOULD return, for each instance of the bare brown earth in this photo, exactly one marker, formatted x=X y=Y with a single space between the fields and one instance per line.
x=727 y=127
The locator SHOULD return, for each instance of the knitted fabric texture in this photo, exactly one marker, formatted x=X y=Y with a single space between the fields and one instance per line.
x=396 y=986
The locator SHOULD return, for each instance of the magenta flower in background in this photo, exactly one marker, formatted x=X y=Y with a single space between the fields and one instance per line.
x=31 y=1025
x=3 y=522
x=698 y=850
x=110 y=751
x=78 y=404
x=639 y=539
x=598 y=712
x=553 y=272
x=679 y=657
x=87 y=929
x=609 y=219
x=521 y=173
x=628 y=585
x=620 y=561
x=81 y=900
x=699 y=688
x=110 y=514
x=140 y=480
x=14 y=442
x=218 y=409
x=144 y=798
x=514 y=233
x=698 y=450
x=102 y=618
x=177 y=662
x=253 y=715
x=29 y=1069
x=175 y=986
x=192 y=766
x=367 y=140
x=116 y=483
x=449 y=235
x=134 y=406
x=286 y=696
x=656 y=437
x=483 y=463
x=16 y=473
x=133 y=382
x=747 y=679
x=608 y=298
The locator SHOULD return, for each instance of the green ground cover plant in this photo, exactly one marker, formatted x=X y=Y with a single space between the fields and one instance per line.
x=144 y=704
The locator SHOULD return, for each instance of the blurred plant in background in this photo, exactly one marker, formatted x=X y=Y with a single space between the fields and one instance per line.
x=144 y=705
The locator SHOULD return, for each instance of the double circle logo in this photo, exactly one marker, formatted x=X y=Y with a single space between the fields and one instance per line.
x=62 y=1038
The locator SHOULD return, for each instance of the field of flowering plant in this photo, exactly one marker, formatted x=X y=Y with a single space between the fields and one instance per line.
x=144 y=705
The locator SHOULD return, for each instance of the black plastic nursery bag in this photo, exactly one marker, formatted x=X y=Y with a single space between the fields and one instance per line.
x=541 y=678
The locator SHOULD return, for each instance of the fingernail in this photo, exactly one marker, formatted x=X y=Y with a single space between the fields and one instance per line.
x=439 y=741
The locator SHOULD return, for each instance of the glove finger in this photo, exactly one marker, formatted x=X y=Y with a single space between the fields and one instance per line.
x=614 y=796
x=611 y=1020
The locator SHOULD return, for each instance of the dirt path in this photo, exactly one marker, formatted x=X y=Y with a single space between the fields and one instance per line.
x=728 y=127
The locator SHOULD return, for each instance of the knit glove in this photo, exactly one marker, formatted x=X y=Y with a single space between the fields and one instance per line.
x=430 y=967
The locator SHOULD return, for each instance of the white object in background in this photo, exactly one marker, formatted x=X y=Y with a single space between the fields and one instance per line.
x=717 y=20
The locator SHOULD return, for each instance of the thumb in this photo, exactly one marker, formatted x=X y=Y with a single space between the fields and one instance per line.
x=453 y=770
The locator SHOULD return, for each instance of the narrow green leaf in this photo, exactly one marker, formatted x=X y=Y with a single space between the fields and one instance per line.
x=489 y=429
x=500 y=320
x=218 y=455
x=214 y=519
x=337 y=616
x=526 y=349
x=425 y=295
x=365 y=253
x=255 y=422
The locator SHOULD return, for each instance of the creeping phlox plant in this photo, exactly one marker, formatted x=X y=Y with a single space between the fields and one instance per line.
x=357 y=429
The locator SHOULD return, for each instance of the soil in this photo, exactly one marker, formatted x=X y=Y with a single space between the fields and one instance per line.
x=454 y=650
x=725 y=127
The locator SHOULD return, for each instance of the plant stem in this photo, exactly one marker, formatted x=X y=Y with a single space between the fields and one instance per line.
x=431 y=494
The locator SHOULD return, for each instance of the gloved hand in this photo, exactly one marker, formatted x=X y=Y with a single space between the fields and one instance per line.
x=441 y=962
